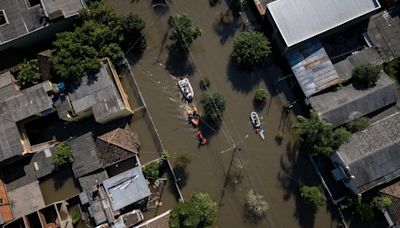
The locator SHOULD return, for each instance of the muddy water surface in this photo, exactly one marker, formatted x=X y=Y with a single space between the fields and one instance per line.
x=270 y=169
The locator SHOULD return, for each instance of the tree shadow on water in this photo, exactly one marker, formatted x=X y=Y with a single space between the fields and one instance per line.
x=226 y=25
x=178 y=63
x=209 y=127
x=243 y=81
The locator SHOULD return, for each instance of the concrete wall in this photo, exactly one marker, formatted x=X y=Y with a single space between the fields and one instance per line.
x=338 y=161
x=120 y=114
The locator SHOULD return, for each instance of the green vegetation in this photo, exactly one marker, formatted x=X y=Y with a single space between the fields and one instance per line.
x=364 y=210
x=318 y=136
x=357 y=124
x=75 y=215
x=261 y=95
x=183 y=32
x=63 y=154
x=256 y=204
x=366 y=75
x=213 y=104
x=182 y=160
x=312 y=195
x=250 y=50
x=280 y=136
x=381 y=202
x=392 y=68
x=199 y=211
x=29 y=74
x=204 y=83
x=151 y=171
x=100 y=32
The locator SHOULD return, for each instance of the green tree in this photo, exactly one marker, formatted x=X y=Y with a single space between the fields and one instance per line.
x=71 y=58
x=29 y=74
x=365 y=211
x=204 y=83
x=199 y=211
x=113 y=51
x=63 y=154
x=213 y=104
x=183 y=31
x=358 y=124
x=261 y=95
x=312 y=195
x=381 y=202
x=340 y=137
x=256 y=204
x=365 y=76
x=250 y=50
x=151 y=171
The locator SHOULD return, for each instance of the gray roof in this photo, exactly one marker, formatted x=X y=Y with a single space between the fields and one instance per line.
x=345 y=67
x=96 y=211
x=373 y=154
x=42 y=162
x=26 y=199
x=345 y=104
x=85 y=155
x=298 y=21
x=97 y=92
x=25 y=104
x=88 y=181
x=383 y=31
x=126 y=188
x=68 y=7
x=312 y=67
x=21 y=19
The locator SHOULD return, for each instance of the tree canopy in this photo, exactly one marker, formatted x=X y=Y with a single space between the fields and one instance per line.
x=318 y=136
x=63 y=154
x=250 y=50
x=183 y=31
x=213 y=104
x=256 y=204
x=381 y=202
x=100 y=32
x=261 y=95
x=29 y=74
x=312 y=195
x=199 y=211
x=366 y=75
x=357 y=124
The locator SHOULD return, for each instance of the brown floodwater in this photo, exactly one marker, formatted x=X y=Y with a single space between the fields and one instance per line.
x=271 y=169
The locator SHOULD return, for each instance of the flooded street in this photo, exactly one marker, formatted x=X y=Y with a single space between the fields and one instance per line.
x=271 y=169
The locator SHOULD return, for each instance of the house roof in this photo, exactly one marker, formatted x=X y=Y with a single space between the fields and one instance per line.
x=372 y=154
x=85 y=155
x=383 y=32
x=88 y=181
x=345 y=67
x=123 y=138
x=22 y=19
x=26 y=199
x=42 y=162
x=312 y=67
x=343 y=105
x=24 y=104
x=96 y=92
x=126 y=188
x=160 y=221
x=298 y=21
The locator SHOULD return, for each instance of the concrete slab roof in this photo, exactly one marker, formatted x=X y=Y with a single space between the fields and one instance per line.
x=26 y=199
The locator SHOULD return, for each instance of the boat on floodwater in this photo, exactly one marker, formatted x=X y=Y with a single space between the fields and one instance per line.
x=186 y=89
x=255 y=120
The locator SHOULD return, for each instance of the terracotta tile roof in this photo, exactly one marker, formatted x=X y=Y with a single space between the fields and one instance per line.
x=5 y=209
x=393 y=190
x=123 y=138
x=161 y=221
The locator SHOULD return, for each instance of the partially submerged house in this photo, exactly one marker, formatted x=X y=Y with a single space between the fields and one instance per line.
x=24 y=22
x=100 y=95
x=341 y=106
x=371 y=157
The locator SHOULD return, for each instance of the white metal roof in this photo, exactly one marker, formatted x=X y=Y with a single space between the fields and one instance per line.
x=299 y=20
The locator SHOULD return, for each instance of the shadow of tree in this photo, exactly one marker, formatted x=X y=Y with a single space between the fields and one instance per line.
x=178 y=63
x=226 y=25
x=209 y=127
x=181 y=175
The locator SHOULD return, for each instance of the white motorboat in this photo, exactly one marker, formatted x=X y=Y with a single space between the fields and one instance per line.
x=186 y=89
x=261 y=132
x=255 y=120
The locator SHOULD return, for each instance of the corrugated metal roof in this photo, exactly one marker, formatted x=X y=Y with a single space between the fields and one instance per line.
x=298 y=20
x=312 y=67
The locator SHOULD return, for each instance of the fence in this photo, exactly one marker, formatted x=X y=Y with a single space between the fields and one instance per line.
x=143 y=112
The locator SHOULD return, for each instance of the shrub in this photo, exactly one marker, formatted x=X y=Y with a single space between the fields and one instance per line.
x=63 y=154
x=357 y=124
x=213 y=104
x=261 y=95
x=151 y=171
x=256 y=203
x=199 y=211
x=250 y=50
x=381 y=202
x=204 y=83
x=280 y=136
x=182 y=160
x=312 y=195
x=75 y=216
x=365 y=76
x=365 y=211
x=29 y=74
